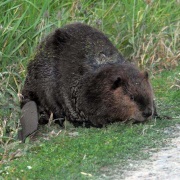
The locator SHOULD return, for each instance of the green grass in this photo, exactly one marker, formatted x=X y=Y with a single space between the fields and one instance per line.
x=147 y=34
x=164 y=84
x=93 y=149
x=76 y=151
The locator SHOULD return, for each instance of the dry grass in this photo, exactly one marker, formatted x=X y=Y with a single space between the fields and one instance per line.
x=159 y=51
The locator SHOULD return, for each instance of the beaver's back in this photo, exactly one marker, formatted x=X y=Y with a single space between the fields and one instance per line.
x=77 y=49
x=62 y=59
x=78 y=73
x=66 y=55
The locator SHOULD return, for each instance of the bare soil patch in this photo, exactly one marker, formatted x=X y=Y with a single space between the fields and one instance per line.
x=164 y=163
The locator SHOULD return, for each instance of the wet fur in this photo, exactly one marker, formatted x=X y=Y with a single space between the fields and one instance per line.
x=77 y=73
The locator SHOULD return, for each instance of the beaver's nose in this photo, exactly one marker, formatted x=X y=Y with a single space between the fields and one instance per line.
x=147 y=112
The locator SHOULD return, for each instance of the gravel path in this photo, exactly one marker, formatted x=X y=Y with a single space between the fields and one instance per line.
x=164 y=164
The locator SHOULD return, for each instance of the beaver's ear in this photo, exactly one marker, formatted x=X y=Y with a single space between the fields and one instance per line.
x=60 y=37
x=146 y=75
x=118 y=82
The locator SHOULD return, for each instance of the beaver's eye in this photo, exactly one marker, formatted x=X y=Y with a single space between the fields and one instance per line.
x=132 y=97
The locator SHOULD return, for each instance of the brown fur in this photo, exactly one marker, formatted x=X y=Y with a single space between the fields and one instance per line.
x=77 y=73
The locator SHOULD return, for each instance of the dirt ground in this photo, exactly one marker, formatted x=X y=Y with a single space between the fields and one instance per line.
x=163 y=164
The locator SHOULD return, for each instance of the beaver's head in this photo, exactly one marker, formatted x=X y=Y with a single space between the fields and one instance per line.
x=121 y=93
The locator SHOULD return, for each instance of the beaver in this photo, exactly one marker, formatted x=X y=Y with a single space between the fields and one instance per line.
x=77 y=73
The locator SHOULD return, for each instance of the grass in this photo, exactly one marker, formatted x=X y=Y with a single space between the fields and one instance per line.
x=90 y=152
x=145 y=32
x=80 y=153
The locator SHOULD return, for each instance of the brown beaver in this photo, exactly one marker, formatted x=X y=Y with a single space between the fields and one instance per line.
x=77 y=73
